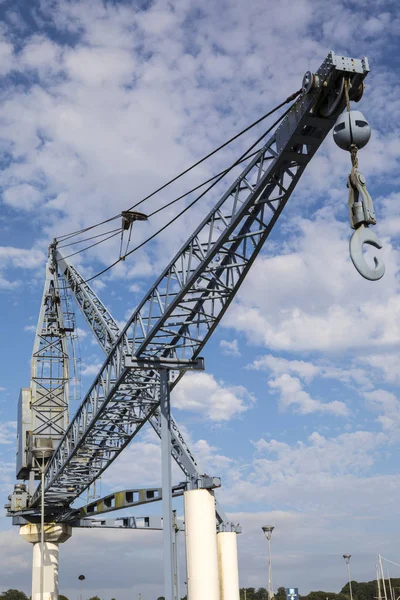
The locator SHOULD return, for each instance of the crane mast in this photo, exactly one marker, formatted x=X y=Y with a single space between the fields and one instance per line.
x=48 y=395
x=186 y=303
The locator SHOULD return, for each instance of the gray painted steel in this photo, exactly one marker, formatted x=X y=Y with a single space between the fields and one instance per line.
x=107 y=333
x=183 y=307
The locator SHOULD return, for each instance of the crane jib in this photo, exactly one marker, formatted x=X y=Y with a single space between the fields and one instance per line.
x=184 y=306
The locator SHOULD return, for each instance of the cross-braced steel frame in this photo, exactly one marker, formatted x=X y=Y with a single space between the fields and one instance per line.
x=49 y=389
x=184 y=306
x=107 y=332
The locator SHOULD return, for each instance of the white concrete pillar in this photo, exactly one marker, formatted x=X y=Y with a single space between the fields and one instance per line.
x=228 y=565
x=201 y=545
x=54 y=534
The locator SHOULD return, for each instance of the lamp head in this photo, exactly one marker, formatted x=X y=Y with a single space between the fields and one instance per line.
x=268 y=529
x=347 y=558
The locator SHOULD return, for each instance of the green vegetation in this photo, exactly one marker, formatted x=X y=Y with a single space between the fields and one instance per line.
x=13 y=595
x=361 y=591
x=253 y=594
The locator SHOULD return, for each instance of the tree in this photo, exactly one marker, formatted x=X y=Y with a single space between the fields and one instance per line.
x=280 y=594
x=160 y=598
x=250 y=593
x=13 y=595
x=61 y=597
x=94 y=598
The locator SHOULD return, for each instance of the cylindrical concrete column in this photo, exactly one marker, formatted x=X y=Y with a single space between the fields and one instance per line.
x=50 y=571
x=201 y=545
x=54 y=534
x=228 y=565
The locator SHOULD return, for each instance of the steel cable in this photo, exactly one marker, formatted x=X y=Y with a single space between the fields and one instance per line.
x=197 y=163
x=189 y=205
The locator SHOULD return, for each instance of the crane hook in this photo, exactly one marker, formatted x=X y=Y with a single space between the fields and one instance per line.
x=364 y=235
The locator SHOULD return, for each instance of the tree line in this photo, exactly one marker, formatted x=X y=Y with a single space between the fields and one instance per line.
x=360 y=590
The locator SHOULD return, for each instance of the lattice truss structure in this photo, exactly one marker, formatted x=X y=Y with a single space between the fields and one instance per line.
x=50 y=365
x=186 y=303
x=107 y=333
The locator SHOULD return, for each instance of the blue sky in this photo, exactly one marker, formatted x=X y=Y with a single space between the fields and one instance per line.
x=298 y=410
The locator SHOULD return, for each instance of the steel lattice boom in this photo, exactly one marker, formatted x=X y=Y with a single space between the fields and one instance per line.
x=107 y=332
x=182 y=309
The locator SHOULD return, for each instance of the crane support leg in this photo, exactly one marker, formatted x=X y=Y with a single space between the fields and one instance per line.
x=228 y=565
x=201 y=545
x=164 y=366
x=45 y=560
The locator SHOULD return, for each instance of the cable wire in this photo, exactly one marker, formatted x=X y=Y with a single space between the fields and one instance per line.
x=232 y=139
x=201 y=185
x=92 y=245
x=197 y=163
x=90 y=238
x=66 y=236
x=192 y=203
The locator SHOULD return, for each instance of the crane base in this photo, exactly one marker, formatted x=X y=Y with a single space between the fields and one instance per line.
x=54 y=534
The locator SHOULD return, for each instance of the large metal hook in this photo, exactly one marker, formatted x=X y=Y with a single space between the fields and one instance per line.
x=364 y=235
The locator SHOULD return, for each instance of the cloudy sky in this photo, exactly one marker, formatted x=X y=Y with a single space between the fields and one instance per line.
x=298 y=411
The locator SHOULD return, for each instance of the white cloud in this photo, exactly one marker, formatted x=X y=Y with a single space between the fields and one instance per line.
x=202 y=394
x=346 y=453
x=138 y=466
x=230 y=348
x=81 y=333
x=389 y=404
x=22 y=196
x=6 y=57
x=30 y=328
x=308 y=371
x=7 y=431
x=99 y=66
x=90 y=369
x=291 y=393
x=20 y=257
x=312 y=298
x=385 y=366
x=280 y=366
x=209 y=457
x=8 y=285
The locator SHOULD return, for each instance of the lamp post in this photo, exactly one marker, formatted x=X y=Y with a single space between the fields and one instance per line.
x=268 y=529
x=347 y=558
x=81 y=579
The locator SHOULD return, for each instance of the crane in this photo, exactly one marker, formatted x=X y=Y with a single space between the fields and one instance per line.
x=165 y=335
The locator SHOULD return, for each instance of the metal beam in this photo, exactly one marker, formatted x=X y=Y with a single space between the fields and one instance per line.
x=126 y=499
x=186 y=303
x=107 y=332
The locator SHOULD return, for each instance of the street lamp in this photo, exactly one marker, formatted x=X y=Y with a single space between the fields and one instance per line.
x=268 y=529
x=347 y=558
x=81 y=579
